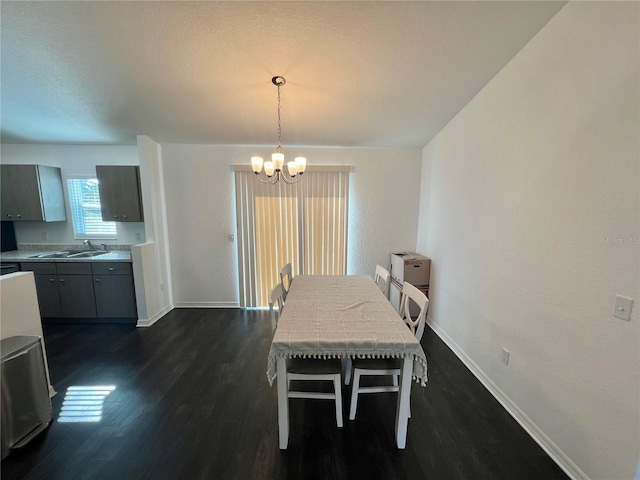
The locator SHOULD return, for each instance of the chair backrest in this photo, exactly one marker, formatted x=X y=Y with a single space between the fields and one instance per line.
x=276 y=297
x=409 y=292
x=384 y=275
x=286 y=275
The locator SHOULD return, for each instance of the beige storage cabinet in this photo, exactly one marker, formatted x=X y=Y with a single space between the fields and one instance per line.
x=408 y=267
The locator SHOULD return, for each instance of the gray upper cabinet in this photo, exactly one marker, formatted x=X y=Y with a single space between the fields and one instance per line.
x=120 y=195
x=31 y=193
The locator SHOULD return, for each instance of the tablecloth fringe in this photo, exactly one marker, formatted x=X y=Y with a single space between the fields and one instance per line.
x=326 y=356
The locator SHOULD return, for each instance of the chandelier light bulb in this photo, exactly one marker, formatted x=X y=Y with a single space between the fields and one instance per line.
x=301 y=164
x=256 y=164
x=274 y=169
x=278 y=160
x=269 y=168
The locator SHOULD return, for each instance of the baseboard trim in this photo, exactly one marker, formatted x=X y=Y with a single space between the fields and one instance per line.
x=147 y=322
x=207 y=305
x=556 y=454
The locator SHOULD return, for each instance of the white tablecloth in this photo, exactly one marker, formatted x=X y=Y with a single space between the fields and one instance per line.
x=341 y=316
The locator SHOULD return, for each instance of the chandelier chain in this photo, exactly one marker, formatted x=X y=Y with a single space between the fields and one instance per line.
x=279 y=124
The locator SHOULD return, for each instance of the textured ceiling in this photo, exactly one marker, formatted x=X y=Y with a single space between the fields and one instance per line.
x=358 y=73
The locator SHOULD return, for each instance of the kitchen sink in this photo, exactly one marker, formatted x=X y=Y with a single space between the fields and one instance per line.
x=52 y=255
x=85 y=254
x=69 y=254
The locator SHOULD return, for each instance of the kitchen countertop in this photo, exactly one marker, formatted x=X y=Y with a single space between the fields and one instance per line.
x=26 y=256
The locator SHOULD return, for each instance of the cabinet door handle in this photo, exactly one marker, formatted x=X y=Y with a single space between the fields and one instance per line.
x=124 y=216
x=115 y=216
x=51 y=280
x=111 y=269
x=9 y=215
x=97 y=279
x=19 y=216
x=62 y=280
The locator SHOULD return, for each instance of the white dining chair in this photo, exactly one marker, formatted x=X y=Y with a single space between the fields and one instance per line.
x=382 y=278
x=286 y=276
x=389 y=366
x=383 y=281
x=276 y=299
x=309 y=369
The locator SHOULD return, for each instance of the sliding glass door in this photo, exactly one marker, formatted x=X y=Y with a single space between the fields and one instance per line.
x=303 y=224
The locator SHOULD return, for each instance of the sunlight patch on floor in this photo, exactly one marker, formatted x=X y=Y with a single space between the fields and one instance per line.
x=84 y=403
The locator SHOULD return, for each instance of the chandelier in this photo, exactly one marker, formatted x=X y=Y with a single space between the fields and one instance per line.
x=273 y=169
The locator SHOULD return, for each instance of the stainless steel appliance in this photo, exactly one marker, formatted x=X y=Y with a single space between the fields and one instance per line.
x=9 y=268
x=26 y=408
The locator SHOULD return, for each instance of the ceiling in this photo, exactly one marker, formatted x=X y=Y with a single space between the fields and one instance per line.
x=379 y=74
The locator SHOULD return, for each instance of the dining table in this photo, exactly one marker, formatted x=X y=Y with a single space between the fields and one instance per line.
x=343 y=316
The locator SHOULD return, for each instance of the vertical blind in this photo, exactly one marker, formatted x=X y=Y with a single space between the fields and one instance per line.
x=304 y=224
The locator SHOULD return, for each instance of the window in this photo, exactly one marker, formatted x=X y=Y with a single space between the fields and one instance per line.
x=84 y=200
x=304 y=224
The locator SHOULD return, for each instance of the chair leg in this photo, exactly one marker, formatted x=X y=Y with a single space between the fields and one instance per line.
x=395 y=384
x=347 y=370
x=337 y=385
x=354 y=394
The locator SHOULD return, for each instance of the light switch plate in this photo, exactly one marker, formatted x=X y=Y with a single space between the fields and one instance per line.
x=622 y=307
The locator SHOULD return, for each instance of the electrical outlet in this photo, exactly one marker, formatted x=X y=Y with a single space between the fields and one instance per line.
x=505 y=356
x=232 y=237
x=622 y=308
x=138 y=237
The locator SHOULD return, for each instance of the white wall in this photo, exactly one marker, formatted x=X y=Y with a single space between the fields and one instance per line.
x=200 y=200
x=151 y=268
x=530 y=213
x=72 y=160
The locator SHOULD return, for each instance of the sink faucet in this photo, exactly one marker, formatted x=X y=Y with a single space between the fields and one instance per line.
x=88 y=242
x=105 y=247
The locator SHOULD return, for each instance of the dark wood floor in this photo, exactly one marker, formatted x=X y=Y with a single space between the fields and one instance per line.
x=192 y=402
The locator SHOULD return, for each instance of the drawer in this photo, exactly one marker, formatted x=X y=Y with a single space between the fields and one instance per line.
x=111 y=268
x=73 y=268
x=41 y=268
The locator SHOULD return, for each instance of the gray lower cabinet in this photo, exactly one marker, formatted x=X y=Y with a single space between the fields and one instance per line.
x=46 y=279
x=75 y=286
x=84 y=291
x=114 y=290
x=48 y=297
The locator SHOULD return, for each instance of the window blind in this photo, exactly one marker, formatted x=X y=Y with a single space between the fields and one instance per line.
x=304 y=224
x=84 y=201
